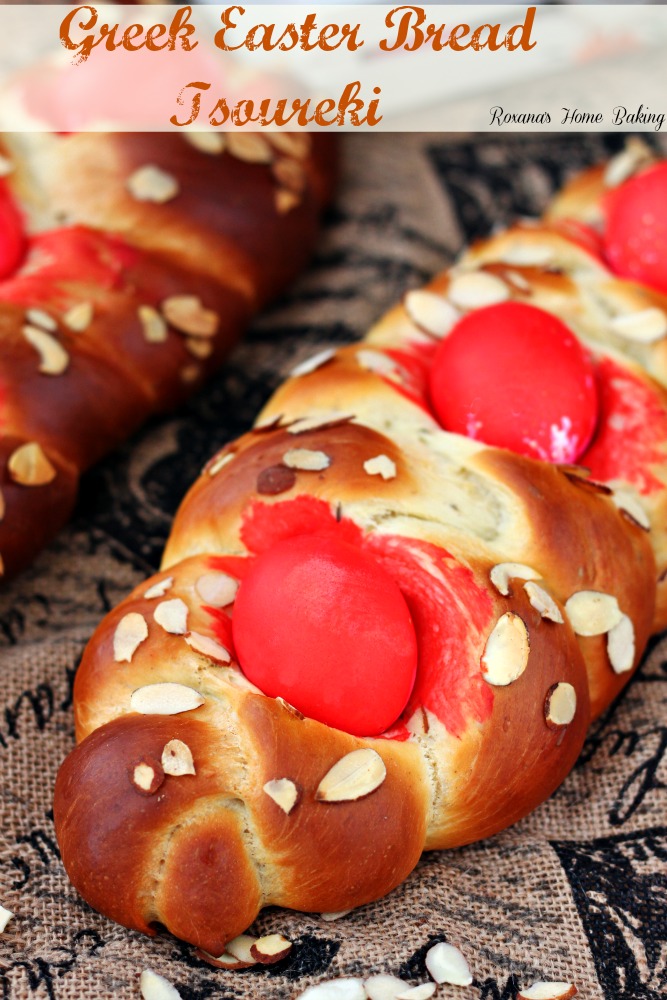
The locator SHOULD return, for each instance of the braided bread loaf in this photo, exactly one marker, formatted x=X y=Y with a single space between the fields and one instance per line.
x=194 y=798
x=129 y=265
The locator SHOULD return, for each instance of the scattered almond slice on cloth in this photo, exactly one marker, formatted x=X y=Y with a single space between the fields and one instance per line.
x=155 y=987
x=446 y=964
x=421 y=992
x=5 y=916
x=336 y=989
x=240 y=947
x=548 y=991
x=270 y=948
x=224 y=961
x=384 y=987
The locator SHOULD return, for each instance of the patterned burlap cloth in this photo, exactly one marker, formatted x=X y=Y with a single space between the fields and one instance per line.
x=577 y=891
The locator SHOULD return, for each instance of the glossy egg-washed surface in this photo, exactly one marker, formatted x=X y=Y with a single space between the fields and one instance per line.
x=129 y=266
x=509 y=670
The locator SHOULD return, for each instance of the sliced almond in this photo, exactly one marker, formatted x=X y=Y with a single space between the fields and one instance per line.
x=336 y=915
x=316 y=422
x=585 y=483
x=505 y=655
x=518 y=280
x=621 y=646
x=147 y=776
x=502 y=573
x=172 y=616
x=285 y=200
x=189 y=315
x=384 y=987
x=374 y=361
x=53 y=358
x=430 y=312
x=159 y=589
x=447 y=964
x=190 y=373
x=153 y=325
x=216 y=589
x=224 y=961
x=477 y=289
x=543 y=602
x=526 y=253
x=240 y=947
x=290 y=175
x=380 y=465
x=212 y=143
x=130 y=632
x=626 y=163
x=5 y=916
x=208 y=647
x=592 y=613
x=166 y=698
x=548 y=991
x=151 y=183
x=198 y=347
x=560 y=705
x=42 y=319
x=291 y=709
x=177 y=759
x=421 y=992
x=283 y=792
x=220 y=463
x=296 y=144
x=306 y=460
x=29 y=466
x=249 y=147
x=357 y=774
x=313 y=363
x=79 y=317
x=628 y=502
x=643 y=327
x=336 y=989
x=154 y=987
x=270 y=948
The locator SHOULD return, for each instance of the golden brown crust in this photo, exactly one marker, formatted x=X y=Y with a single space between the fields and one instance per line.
x=492 y=551
x=104 y=348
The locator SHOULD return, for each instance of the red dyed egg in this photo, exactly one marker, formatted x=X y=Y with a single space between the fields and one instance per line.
x=635 y=238
x=323 y=626
x=514 y=376
x=12 y=237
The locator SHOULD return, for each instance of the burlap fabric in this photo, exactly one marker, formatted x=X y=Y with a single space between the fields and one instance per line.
x=578 y=891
